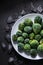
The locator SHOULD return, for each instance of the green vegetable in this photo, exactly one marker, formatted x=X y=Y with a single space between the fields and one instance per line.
x=26 y=40
x=33 y=52
x=21 y=26
x=38 y=19
x=20 y=39
x=41 y=41
x=42 y=24
x=19 y=33
x=28 y=29
x=32 y=35
x=38 y=37
x=41 y=33
x=40 y=48
x=27 y=47
x=36 y=28
x=30 y=41
x=34 y=44
x=14 y=37
x=25 y=35
x=28 y=22
x=20 y=46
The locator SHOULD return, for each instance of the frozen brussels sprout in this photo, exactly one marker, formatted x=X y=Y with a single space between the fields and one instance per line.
x=20 y=46
x=25 y=35
x=42 y=24
x=27 y=47
x=34 y=44
x=31 y=35
x=14 y=37
x=40 y=48
x=38 y=37
x=33 y=52
x=20 y=39
x=21 y=26
x=30 y=41
x=28 y=22
x=28 y=29
x=38 y=19
x=19 y=33
x=41 y=41
x=26 y=40
x=36 y=28
x=41 y=33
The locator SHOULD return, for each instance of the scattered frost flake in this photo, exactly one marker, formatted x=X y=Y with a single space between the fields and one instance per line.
x=11 y=59
x=19 y=17
x=9 y=47
x=23 y=12
x=9 y=18
x=39 y=8
x=32 y=5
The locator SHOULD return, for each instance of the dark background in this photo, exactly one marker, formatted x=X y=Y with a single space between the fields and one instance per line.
x=13 y=8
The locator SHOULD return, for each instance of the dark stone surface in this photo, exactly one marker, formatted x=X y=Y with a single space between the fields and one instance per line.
x=14 y=9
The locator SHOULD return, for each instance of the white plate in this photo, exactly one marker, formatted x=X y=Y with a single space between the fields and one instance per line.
x=14 y=30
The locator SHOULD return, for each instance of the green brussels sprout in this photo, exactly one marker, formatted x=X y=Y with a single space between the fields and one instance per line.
x=26 y=41
x=30 y=41
x=41 y=41
x=14 y=37
x=20 y=39
x=40 y=48
x=31 y=35
x=41 y=33
x=20 y=46
x=42 y=24
x=28 y=22
x=27 y=47
x=38 y=37
x=25 y=35
x=36 y=28
x=34 y=44
x=19 y=33
x=38 y=19
x=21 y=26
x=28 y=29
x=33 y=52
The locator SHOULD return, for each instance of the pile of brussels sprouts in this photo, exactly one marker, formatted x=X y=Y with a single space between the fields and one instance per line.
x=30 y=36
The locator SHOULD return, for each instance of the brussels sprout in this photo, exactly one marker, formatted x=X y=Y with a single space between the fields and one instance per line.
x=34 y=44
x=20 y=46
x=33 y=52
x=27 y=47
x=41 y=41
x=21 y=26
x=26 y=41
x=41 y=33
x=36 y=28
x=28 y=29
x=38 y=19
x=14 y=37
x=19 y=33
x=38 y=37
x=42 y=24
x=40 y=48
x=28 y=22
x=32 y=35
x=20 y=39
x=30 y=41
x=25 y=35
